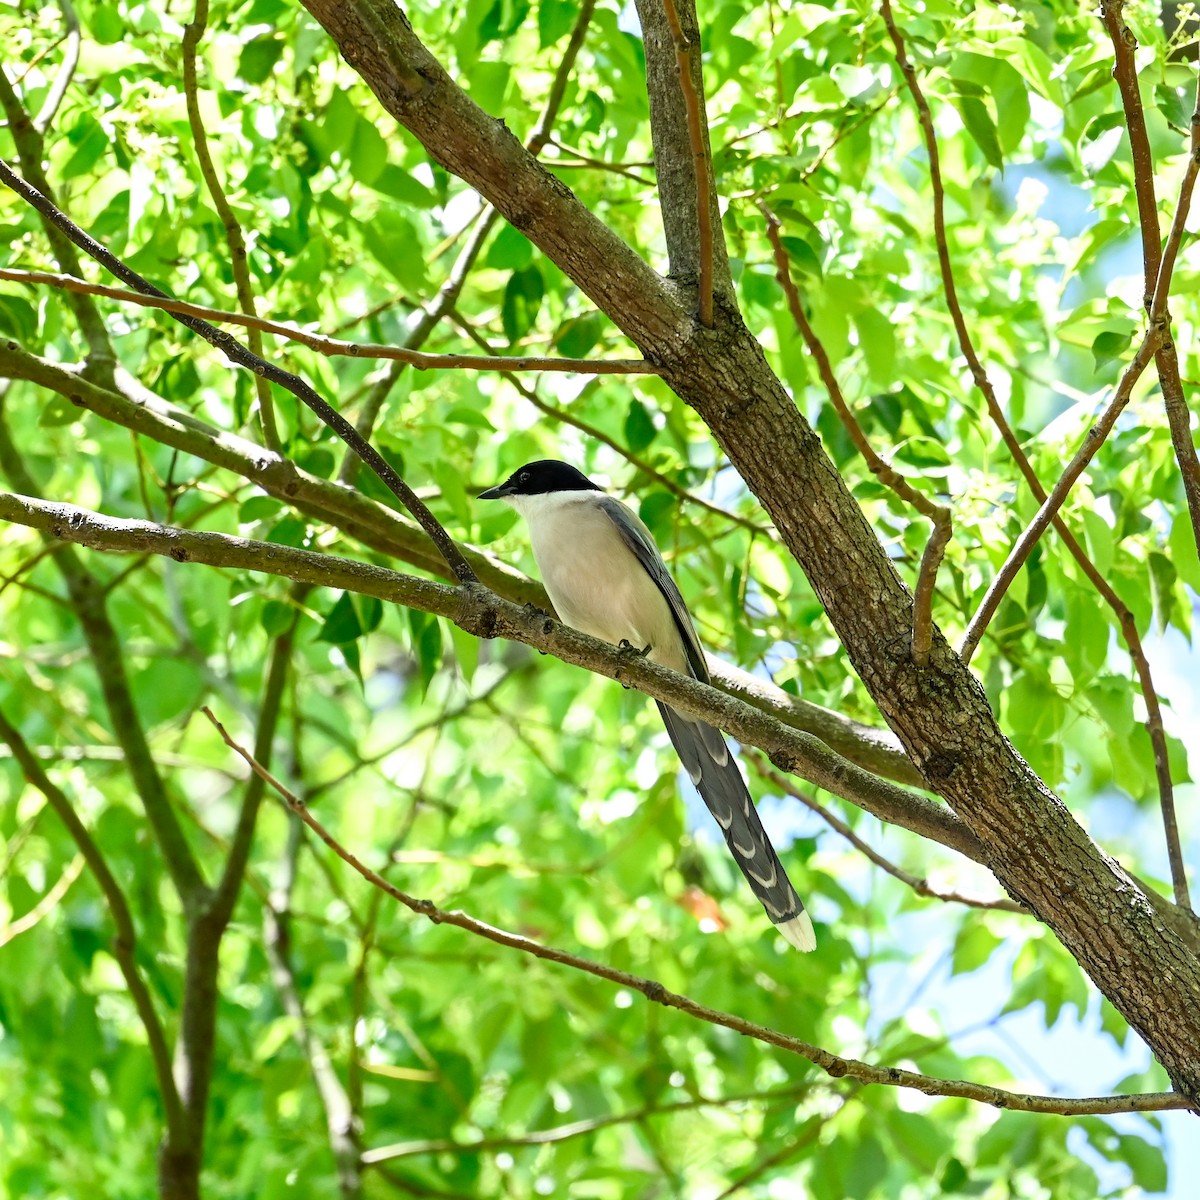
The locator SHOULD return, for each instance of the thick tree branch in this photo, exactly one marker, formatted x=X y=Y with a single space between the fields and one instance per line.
x=785 y=740
x=831 y=1064
x=485 y=614
x=381 y=529
x=237 y=353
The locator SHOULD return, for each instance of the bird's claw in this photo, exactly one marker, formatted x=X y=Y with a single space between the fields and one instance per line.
x=629 y=648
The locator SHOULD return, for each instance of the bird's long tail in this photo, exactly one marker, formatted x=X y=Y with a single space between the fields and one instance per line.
x=712 y=768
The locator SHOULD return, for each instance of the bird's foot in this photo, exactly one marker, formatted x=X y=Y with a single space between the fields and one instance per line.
x=626 y=645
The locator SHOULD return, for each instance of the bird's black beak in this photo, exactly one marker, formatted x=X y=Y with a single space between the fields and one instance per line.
x=497 y=493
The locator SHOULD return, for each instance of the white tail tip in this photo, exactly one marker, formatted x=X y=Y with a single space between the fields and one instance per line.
x=799 y=931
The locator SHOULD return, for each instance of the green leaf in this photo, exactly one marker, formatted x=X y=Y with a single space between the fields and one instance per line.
x=982 y=129
x=258 y=58
x=1109 y=347
x=577 y=335
x=555 y=19
x=639 y=427
x=522 y=300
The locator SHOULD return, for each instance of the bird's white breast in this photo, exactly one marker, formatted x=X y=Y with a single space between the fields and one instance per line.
x=594 y=580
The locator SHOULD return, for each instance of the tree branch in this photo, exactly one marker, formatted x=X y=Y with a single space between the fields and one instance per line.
x=485 y=614
x=237 y=353
x=832 y=1064
x=333 y=347
x=31 y=154
x=574 y=1129
x=1125 y=617
x=339 y=1116
x=66 y=70
x=689 y=70
x=1092 y=442
x=342 y=507
x=918 y=885
x=192 y=34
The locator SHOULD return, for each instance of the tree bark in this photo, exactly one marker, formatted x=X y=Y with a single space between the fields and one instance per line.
x=940 y=712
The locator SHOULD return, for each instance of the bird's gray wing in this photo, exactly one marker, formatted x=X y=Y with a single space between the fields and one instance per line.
x=639 y=539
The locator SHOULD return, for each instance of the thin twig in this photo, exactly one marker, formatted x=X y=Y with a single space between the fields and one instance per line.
x=46 y=905
x=125 y=942
x=574 y=1129
x=340 y=1123
x=1166 y=359
x=447 y=296
x=598 y=435
x=684 y=51
x=332 y=347
x=832 y=1064
x=66 y=70
x=1092 y=442
x=922 y=887
x=236 y=352
x=937 y=514
x=233 y=231
x=1146 y=205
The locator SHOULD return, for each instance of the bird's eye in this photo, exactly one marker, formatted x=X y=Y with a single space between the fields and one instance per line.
x=523 y=477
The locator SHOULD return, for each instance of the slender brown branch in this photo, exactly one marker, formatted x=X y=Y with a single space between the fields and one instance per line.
x=1092 y=442
x=1149 y=222
x=192 y=34
x=574 y=1129
x=1167 y=360
x=832 y=1064
x=937 y=514
x=125 y=942
x=684 y=51
x=237 y=353
x=598 y=435
x=334 y=347
x=88 y=603
x=922 y=887
x=447 y=295
x=1155 y=263
x=1125 y=73
x=66 y=70
x=339 y=1117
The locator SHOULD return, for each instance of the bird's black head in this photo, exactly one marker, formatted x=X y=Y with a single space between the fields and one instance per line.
x=538 y=478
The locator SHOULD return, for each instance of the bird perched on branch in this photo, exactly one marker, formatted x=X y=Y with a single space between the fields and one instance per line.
x=606 y=578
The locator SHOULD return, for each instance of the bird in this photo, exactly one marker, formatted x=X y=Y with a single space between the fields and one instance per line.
x=605 y=577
